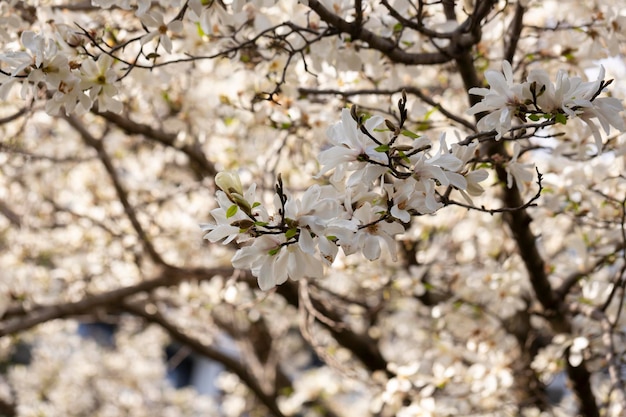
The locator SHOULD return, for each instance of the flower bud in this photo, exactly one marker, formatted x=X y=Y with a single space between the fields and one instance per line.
x=229 y=182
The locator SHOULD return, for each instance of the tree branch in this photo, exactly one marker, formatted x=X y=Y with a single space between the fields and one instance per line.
x=519 y=223
x=13 y=218
x=97 y=144
x=361 y=345
x=515 y=29
x=385 y=45
x=613 y=362
x=7 y=409
x=231 y=364
x=375 y=91
x=40 y=314
x=199 y=160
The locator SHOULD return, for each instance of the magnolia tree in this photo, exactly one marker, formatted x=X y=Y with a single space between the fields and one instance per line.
x=385 y=208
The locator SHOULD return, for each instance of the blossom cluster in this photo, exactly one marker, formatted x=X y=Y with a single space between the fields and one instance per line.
x=382 y=175
x=539 y=98
x=76 y=78
x=72 y=83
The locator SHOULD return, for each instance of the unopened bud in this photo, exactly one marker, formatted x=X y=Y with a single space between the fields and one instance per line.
x=229 y=182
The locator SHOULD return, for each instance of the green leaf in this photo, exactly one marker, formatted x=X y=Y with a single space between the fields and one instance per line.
x=560 y=118
x=232 y=210
x=382 y=148
x=430 y=113
x=404 y=157
x=424 y=126
x=534 y=117
x=291 y=233
x=256 y=204
x=261 y=224
x=199 y=28
x=274 y=251
x=410 y=134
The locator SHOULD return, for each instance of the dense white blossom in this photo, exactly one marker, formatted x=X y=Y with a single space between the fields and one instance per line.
x=539 y=96
x=432 y=261
x=160 y=30
x=352 y=150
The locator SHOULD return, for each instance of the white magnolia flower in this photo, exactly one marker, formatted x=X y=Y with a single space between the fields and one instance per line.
x=16 y=61
x=411 y=196
x=41 y=61
x=518 y=172
x=352 y=149
x=425 y=200
x=159 y=29
x=473 y=179
x=233 y=220
x=229 y=182
x=99 y=78
x=312 y=210
x=501 y=100
x=70 y=97
x=403 y=198
x=442 y=167
x=569 y=96
x=272 y=262
x=606 y=110
x=225 y=226
x=37 y=46
x=372 y=233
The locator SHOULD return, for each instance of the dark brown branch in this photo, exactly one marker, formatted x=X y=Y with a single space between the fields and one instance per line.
x=257 y=346
x=361 y=345
x=15 y=115
x=358 y=12
x=415 y=25
x=13 y=218
x=41 y=314
x=448 y=9
x=515 y=29
x=195 y=154
x=612 y=359
x=410 y=90
x=571 y=280
x=385 y=45
x=37 y=156
x=7 y=409
x=122 y=194
x=519 y=223
x=231 y=364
